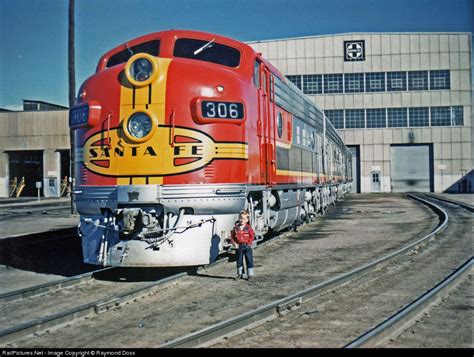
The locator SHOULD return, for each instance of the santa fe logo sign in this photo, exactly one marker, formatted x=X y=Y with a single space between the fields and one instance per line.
x=354 y=51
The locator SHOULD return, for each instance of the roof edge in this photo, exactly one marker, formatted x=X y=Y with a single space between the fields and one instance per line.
x=359 y=33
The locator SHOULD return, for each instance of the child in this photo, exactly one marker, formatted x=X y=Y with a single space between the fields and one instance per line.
x=242 y=237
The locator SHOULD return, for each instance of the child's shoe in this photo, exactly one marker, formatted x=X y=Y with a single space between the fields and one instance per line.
x=239 y=274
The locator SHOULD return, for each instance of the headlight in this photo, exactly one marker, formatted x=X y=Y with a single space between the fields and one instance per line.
x=141 y=69
x=140 y=125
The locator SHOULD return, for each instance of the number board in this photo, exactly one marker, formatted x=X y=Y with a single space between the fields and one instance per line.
x=79 y=116
x=222 y=110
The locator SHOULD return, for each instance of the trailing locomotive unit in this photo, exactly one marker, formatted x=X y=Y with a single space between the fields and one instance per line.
x=176 y=132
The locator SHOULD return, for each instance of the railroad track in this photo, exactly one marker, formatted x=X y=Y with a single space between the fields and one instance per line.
x=220 y=332
x=13 y=213
x=101 y=305
x=283 y=306
x=406 y=316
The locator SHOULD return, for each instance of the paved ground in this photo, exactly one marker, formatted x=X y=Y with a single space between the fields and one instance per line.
x=25 y=216
x=359 y=229
x=462 y=197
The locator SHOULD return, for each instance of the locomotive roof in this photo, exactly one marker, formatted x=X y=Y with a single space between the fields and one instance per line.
x=168 y=38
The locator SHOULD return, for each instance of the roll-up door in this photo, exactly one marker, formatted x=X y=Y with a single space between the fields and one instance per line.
x=411 y=168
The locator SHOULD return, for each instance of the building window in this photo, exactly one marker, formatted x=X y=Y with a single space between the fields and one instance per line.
x=418 y=80
x=440 y=80
x=313 y=84
x=333 y=83
x=457 y=116
x=354 y=82
x=355 y=118
x=375 y=82
x=397 y=117
x=396 y=81
x=296 y=80
x=440 y=116
x=376 y=118
x=419 y=117
x=336 y=117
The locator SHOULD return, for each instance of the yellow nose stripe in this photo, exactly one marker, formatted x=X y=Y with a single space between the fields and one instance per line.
x=151 y=97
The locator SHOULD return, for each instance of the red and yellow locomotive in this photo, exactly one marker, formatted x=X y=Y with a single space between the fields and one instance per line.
x=177 y=132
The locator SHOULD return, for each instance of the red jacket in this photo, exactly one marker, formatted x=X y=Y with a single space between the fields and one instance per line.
x=244 y=236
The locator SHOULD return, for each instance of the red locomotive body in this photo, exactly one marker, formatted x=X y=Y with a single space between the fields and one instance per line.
x=180 y=130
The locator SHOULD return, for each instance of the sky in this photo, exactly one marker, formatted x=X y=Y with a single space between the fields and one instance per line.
x=34 y=33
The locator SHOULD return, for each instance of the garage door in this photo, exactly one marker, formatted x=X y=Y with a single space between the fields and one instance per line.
x=411 y=168
x=28 y=165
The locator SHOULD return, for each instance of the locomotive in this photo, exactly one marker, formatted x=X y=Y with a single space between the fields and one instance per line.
x=177 y=132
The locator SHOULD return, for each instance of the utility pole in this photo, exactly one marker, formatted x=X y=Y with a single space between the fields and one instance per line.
x=72 y=94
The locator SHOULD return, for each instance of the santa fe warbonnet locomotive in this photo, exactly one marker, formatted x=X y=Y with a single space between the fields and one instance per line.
x=176 y=132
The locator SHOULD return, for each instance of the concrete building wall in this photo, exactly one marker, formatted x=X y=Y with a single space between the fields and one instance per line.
x=453 y=150
x=47 y=131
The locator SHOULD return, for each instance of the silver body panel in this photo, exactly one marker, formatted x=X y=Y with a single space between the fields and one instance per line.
x=202 y=232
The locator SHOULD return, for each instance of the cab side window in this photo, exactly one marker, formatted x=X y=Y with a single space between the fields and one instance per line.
x=256 y=74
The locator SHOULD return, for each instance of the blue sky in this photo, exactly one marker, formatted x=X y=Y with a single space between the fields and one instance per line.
x=33 y=33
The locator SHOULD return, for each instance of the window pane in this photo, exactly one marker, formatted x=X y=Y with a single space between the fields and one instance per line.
x=440 y=80
x=376 y=118
x=375 y=82
x=296 y=80
x=440 y=116
x=313 y=84
x=419 y=117
x=150 y=47
x=418 y=80
x=355 y=118
x=213 y=52
x=354 y=82
x=396 y=81
x=457 y=116
x=256 y=74
x=397 y=117
x=333 y=83
x=336 y=117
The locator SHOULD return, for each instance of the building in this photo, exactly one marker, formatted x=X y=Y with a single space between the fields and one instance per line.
x=34 y=148
x=401 y=101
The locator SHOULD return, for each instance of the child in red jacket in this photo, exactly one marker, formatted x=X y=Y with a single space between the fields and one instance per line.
x=242 y=237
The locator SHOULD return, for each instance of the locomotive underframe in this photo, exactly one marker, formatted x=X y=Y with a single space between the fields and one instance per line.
x=146 y=225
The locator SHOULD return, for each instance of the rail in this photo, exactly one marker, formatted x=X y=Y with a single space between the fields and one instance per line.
x=398 y=321
x=466 y=206
x=49 y=287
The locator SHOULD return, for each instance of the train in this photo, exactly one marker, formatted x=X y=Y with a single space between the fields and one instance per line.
x=178 y=131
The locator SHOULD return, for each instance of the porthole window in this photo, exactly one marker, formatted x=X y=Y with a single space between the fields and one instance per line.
x=280 y=125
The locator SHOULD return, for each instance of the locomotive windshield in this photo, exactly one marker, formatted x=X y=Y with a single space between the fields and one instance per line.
x=150 y=47
x=208 y=51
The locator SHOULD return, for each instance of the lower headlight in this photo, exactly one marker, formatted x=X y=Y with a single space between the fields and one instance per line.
x=139 y=126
